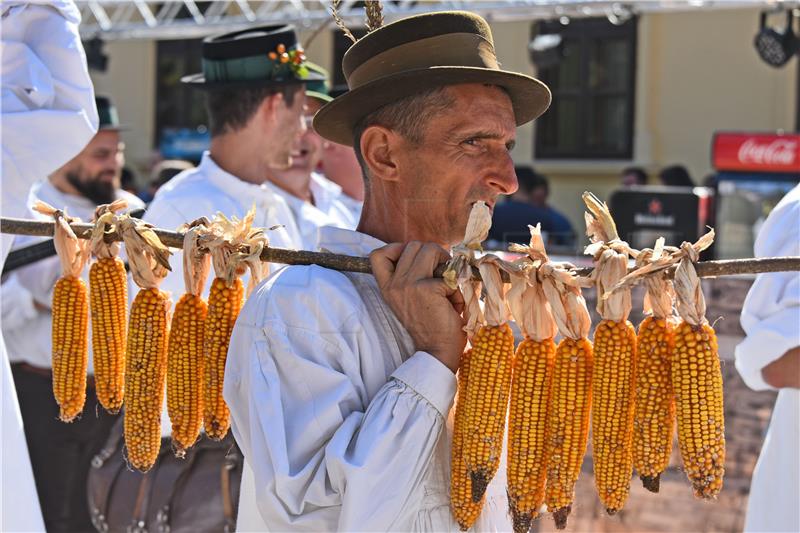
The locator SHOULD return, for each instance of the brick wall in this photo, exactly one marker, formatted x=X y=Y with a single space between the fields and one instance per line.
x=674 y=508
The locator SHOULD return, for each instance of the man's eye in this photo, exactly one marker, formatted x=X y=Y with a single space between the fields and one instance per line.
x=471 y=142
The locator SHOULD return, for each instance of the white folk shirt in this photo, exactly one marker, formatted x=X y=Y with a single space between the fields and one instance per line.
x=48 y=116
x=771 y=319
x=326 y=210
x=206 y=190
x=30 y=341
x=343 y=423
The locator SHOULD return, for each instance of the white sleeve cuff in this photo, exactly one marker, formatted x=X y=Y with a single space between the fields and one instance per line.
x=430 y=378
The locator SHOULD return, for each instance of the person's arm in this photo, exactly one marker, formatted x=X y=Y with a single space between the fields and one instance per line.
x=324 y=457
x=784 y=371
x=771 y=312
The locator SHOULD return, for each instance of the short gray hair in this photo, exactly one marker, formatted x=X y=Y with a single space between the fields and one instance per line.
x=407 y=116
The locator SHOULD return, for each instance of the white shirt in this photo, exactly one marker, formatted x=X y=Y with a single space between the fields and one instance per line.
x=771 y=319
x=344 y=424
x=206 y=190
x=326 y=210
x=330 y=198
x=30 y=341
x=48 y=116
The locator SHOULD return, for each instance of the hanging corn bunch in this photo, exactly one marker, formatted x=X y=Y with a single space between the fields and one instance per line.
x=108 y=297
x=571 y=390
x=654 y=418
x=146 y=353
x=185 y=349
x=459 y=274
x=235 y=247
x=697 y=380
x=530 y=388
x=70 y=317
x=614 y=375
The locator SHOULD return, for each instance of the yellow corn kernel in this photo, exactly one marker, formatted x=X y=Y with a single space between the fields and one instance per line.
x=527 y=425
x=224 y=303
x=185 y=371
x=465 y=511
x=70 y=346
x=613 y=384
x=654 y=419
x=567 y=424
x=697 y=382
x=487 y=404
x=145 y=369
x=108 y=295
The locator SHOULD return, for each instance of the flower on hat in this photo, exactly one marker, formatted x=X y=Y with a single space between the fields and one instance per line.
x=294 y=59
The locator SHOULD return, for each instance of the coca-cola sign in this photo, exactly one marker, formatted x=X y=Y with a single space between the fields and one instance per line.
x=756 y=152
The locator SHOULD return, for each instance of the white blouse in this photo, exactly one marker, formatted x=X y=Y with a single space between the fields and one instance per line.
x=344 y=425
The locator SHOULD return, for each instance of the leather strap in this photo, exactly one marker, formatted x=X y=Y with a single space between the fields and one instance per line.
x=139 y=522
x=100 y=511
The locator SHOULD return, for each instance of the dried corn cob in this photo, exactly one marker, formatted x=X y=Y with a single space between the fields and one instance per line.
x=146 y=353
x=465 y=511
x=235 y=247
x=224 y=304
x=486 y=392
x=568 y=424
x=571 y=390
x=185 y=365
x=70 y=317
x=527 y=424
x=108 y=294
x=530 y=389
x=614 y=376
x=146 y=365
x=654 y=420
x=697 y=381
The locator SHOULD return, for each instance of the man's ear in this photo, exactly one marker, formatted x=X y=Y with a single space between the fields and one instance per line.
x=268 y=109
x=380 y=148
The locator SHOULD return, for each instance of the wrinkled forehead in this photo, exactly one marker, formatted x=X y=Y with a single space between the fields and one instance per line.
x=476 y=104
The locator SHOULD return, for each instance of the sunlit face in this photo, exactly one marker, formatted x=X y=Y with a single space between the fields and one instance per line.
x=96 y=171
x=291 y=126
x=464 y=157
x=307 y=149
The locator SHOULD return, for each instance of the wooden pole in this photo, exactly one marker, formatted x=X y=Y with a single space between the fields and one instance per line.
x=347 y=263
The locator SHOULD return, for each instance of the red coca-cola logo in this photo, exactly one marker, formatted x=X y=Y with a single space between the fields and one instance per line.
x=757 y=152
x=778 y=152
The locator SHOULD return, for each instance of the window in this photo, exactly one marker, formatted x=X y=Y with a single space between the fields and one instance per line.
x=593 y=83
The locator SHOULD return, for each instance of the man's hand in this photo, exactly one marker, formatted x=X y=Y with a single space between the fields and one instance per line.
x=784 y=372
x=426 y=306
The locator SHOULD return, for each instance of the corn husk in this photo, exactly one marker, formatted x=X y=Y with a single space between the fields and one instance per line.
x=72 y=251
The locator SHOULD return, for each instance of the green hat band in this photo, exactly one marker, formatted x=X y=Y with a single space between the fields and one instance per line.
x=290 y=65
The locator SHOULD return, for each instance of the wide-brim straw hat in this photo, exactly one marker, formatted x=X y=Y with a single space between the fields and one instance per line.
x=419 y=53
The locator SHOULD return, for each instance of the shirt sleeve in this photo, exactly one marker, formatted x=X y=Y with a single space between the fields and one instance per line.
x=771 y=312
x=324 y=455
x=47 y=95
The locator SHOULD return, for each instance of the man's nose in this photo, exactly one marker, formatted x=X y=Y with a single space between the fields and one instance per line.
x=503 y=179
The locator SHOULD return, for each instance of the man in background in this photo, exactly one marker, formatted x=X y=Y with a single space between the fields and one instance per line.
x=255 y=119
x=315 y=201
x=632 y=176
x=340 y=165
x=61 y=453
x=529 y=205
x=769 y=359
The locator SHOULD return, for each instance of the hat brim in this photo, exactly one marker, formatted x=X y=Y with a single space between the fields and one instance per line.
x=337 y=119
x=322 y=97
x=198 y=81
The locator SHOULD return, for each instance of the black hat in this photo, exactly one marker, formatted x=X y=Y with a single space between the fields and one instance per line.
x=262 y=56
x=108 y=119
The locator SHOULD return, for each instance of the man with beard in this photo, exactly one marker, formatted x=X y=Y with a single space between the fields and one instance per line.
x=314 y=200
x=255 y=107
x=61 y=453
